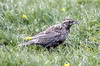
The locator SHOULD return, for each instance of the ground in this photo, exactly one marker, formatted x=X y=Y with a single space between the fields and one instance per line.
x=24 y=18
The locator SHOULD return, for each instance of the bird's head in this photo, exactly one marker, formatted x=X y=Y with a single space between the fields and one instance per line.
x=69 y=22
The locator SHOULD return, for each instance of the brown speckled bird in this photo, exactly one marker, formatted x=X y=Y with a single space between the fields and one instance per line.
x=52 y=36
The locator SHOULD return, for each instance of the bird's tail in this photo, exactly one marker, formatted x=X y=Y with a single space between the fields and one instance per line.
x=27 y=43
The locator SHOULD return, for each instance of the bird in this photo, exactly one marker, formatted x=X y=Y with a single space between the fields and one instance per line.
x=53 y=35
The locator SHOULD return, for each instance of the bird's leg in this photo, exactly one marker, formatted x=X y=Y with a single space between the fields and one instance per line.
x=52 y=49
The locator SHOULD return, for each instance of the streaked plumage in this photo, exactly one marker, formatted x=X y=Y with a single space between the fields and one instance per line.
x=52 y=36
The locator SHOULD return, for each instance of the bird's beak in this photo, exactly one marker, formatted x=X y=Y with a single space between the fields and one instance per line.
x=75 y=22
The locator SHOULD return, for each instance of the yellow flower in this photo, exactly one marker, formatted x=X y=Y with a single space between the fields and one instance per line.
x=24 y=16
x=87 y=49
x=28 y=38
x=66 y=64
x=94 y=39
x=63 y=9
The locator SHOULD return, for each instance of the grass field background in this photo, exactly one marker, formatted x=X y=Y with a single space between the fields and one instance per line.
x=24 y=18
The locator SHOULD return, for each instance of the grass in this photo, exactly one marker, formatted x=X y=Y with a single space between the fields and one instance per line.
x=82 y=48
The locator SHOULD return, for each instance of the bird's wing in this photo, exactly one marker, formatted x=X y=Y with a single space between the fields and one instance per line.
x=50 y=35
x=46 y=38
x=43 y=39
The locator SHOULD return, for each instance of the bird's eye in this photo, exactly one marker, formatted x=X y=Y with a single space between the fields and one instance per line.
x=71 y=21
